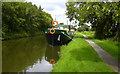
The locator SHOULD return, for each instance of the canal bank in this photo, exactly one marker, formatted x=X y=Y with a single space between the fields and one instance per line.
x=79 y=56
x=20 y=35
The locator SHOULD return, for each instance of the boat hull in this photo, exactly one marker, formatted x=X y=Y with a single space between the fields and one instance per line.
x=57 y=39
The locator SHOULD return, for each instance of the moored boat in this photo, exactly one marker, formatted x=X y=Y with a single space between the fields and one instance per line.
x=58 y=34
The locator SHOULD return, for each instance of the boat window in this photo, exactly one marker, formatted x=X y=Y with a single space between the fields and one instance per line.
x=61 y=28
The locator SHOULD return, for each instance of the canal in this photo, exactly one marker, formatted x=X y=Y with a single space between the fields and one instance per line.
x=30 y=54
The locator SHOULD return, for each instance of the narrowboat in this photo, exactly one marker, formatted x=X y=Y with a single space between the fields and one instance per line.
x=58 y=34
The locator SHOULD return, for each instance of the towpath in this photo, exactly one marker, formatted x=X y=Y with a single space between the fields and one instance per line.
x=107 y=58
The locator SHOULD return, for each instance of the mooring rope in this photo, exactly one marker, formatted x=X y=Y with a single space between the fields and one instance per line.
x=69 y=37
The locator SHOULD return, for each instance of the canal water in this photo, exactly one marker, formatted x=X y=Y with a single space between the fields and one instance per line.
x=31 y=54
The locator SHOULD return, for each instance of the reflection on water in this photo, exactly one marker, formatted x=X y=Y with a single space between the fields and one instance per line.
x=28 y=55
x=46 y=66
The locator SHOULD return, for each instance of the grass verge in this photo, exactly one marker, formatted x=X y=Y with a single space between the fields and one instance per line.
x=80 y=57
x=110 y=46
x=78 y=35
x=89 y=34
x=19 y=35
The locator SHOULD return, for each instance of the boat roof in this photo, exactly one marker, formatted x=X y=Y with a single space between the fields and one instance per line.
x=62 y=24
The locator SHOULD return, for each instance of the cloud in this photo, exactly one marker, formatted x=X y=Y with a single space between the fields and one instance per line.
x=56 y=8
x=49 y=9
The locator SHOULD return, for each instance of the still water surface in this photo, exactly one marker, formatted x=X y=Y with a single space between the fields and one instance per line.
x=31 y=54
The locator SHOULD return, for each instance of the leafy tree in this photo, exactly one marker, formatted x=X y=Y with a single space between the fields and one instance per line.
x=104 y=16
x=23 y=18
x=83 y=27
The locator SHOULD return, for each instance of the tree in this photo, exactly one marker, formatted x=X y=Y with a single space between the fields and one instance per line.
x=23 y=18
x=83 y=27
x=103 y=16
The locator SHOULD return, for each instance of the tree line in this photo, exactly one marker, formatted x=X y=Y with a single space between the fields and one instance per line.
x=23 y=19
x=104 y=17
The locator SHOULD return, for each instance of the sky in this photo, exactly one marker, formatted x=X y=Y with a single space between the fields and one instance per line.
x=56 y=8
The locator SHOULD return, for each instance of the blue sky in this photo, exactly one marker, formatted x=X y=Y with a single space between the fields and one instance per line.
x=56 y=8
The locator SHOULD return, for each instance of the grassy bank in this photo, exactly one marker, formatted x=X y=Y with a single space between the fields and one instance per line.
x=79 y=56
x=108 y=44
x=78 y=35
x=19 y=35
x=89 y=34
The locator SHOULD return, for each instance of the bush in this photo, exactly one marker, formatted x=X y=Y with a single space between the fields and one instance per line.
x=81 y=29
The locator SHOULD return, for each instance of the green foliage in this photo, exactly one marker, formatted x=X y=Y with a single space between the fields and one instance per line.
x=104 y=16
x=83 y=27
x=23 y=18
x=72 y=27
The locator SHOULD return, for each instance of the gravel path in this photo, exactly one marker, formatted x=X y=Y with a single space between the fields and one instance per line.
x=107 y=58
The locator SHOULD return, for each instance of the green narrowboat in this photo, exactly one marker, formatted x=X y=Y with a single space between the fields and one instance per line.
x=58 y=35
